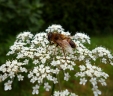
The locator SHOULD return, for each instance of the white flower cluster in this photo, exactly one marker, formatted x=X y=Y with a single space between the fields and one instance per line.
x=82 y=53
x=54 y=27
x=11 y=68
x=36 y=88
x=39 y=73
x=64 y=93
x=44 y=62
x=83 y=38
x=104 y=54
x=25 y=37
x=95 y=75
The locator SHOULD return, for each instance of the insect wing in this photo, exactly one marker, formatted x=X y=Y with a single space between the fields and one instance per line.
x=65 y=45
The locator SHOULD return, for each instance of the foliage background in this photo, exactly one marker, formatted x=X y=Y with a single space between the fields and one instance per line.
x=90 y=16
x=93 y=17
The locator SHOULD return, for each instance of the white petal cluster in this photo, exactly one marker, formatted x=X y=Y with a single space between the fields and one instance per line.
x=96 y=92
x=11 y=68
x=104 y=54
x=39 y=73
x=94 y=74
x=55 y=28
x=64 y=93
x=83 y=38
x=82 y=53
x=25 y=36
x=63 y=64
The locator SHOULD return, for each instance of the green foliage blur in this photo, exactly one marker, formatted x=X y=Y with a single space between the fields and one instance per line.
x=19 y=15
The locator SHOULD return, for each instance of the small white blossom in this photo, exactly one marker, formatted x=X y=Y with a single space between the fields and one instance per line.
x=47 y=86
x=96 y=91
x=83 y=81
x=102 y=81
x=93 y=81
x=35 y=90
x=8 y=85
x=20 y=77
x=82 y=67
x=55 y=80
x=66 y=76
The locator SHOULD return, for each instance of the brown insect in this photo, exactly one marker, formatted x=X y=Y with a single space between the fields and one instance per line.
x=61 y=40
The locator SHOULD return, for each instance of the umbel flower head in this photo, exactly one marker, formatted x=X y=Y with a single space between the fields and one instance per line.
x=47 y=62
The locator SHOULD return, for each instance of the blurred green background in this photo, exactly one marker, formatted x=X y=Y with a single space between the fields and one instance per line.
x=93 y=17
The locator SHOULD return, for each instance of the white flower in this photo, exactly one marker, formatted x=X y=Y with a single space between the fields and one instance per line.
x=35 y=90
x=55 y=63
x=73 y=94
x=22 y=69
x=55 y=80
x=26 y=61
x=49 y=77
x=102 y=81
x=8 y=85
x=65 y=93
x=30 y=74
x=20 y=77
x=43 y=60
x=34 y=79
x=66 y=76
x=83 y=81
x=81 y=74
x=70 y=67
x=96 y=91
x=93 y=81
x=104 y=60
x=4 y=76
x=11 y=74
x=36 y=62
x=56 y=93
x=47 y=86
x=82 y=67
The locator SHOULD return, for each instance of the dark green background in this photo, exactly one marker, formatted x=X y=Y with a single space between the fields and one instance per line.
x=94 y=17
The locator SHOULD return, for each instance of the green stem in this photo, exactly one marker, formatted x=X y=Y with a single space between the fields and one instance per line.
x=53 y=88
